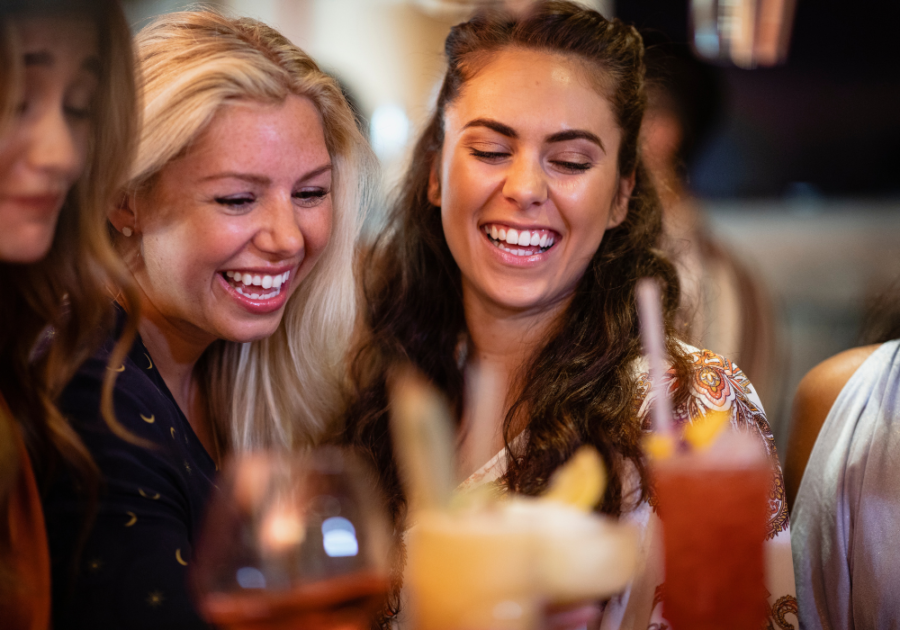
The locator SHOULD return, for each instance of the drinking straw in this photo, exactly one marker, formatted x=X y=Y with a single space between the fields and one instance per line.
x=650 y=313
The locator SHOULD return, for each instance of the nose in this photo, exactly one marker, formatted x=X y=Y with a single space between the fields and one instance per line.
x=279 y=235
x=53 y=148
x=526 y=182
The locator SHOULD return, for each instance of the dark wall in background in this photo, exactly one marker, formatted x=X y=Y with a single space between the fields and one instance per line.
x=826 y=123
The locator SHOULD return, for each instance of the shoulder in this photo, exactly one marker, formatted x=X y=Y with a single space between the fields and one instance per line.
x=711 y=383
x=815 y=396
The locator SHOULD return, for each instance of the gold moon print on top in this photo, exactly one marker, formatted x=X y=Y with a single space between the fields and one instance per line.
x=132 y=520
x=179 y=558
x=152 y=497
x=172 y=431
x=149 y=420
x=149 y=360
x=121 y=368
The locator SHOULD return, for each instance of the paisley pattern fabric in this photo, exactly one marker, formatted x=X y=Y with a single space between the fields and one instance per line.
x=715 y=384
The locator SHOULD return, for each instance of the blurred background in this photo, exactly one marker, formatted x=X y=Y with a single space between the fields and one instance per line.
x=791 y=172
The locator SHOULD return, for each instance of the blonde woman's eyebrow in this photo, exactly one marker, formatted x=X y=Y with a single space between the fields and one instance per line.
x=262 y=180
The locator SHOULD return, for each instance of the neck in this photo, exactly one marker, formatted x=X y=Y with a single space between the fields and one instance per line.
x=504 y=343
x=175 y=350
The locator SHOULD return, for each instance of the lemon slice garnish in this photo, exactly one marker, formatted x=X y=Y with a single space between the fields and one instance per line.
x=703 y=432
x=579 y=482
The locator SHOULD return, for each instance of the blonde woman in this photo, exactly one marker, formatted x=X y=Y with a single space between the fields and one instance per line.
x=66 y=127
x=238 y=226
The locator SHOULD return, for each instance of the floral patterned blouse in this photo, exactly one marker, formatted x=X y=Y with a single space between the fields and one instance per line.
x=717 y=384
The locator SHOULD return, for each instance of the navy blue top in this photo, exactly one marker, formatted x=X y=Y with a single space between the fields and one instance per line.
x=131 y=571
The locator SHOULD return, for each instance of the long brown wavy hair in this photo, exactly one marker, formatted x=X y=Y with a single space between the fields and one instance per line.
x=580 y=387
x=56 y=311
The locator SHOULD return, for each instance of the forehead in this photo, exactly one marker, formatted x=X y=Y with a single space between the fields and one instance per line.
x=254 y=134
x=535 y=87
x=57 y=39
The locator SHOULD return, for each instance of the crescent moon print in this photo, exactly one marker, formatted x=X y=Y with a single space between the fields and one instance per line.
x=172 y=431
x=132 y=520
x=153 y=497
x=149 y=420
x=179 y=558
x=121 y=368
x=149 y=360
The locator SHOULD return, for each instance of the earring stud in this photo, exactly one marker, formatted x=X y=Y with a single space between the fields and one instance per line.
x=127 y=232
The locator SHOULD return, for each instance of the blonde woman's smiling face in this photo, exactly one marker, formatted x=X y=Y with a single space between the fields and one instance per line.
x=228 y=231
x=528 y=181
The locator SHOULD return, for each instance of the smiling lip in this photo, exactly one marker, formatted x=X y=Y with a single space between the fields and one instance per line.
x=42 y=204
x=271 y=287
x=519 y=245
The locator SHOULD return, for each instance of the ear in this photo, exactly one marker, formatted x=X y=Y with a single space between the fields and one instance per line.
x=123 y=215
x=619 y=209
x=434 y=185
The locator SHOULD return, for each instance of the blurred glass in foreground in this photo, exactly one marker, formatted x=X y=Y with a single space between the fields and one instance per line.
x=293 y=541
x=747 y=33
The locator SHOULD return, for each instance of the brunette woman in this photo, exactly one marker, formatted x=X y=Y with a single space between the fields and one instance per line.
x=522 y=227
x=66 y=129
x=237 y=224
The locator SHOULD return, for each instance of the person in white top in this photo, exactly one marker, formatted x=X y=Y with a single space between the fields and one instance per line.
x=525 y=220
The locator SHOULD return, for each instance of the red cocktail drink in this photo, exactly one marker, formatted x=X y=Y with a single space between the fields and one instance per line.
x=714 y=518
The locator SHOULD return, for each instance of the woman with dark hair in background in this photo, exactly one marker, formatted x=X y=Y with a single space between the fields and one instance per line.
x=523 y=225
x=67 y=104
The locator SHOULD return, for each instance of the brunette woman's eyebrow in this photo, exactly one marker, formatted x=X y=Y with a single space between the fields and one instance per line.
x=493 y=125
x=576 y=134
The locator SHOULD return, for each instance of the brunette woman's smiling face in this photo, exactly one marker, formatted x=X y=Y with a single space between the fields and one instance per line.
x=528 y=180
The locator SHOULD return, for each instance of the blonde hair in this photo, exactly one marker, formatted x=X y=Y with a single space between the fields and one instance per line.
x=286 y=389
x=55 y=311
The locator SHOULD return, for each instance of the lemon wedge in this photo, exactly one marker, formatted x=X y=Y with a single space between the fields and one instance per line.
x=703 y=432
x=579 y=482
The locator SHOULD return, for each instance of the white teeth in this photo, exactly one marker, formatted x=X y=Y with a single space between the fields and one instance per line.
x=287 y=274
x=512 y=237
x=494 y=233
x=543 y=241
x=257 y=281
x=277 y=281
x=267 y=282
x=502 y=234
x=255 y=296
x=230 y=274
x=535 y=239
x=247 y=279
x=549 y=241
x=237 y=276
x=524 y=237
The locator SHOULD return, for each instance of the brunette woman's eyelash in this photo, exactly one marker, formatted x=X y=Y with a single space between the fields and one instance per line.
x=488 y=154
x=579 y=167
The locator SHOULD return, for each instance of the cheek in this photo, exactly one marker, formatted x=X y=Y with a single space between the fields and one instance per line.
x=316 y=230
x=81 y=140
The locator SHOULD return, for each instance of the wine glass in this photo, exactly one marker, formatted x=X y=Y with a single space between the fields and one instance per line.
x=293 y=541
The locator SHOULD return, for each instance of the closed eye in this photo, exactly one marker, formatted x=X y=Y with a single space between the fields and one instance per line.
x=489 y=155
x=238 y=201
x=572 y=167
x=311 y=197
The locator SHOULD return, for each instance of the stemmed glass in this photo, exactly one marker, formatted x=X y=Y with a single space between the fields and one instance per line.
x=293 y=541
